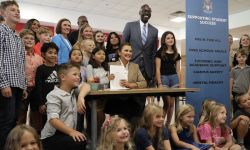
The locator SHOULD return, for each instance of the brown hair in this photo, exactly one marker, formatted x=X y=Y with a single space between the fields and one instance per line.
x=213 y=117
x=240 y=97
x=15 y=135
x=150 y=111
x=29 y=23
x=25 y=32
x=59 y=25
x=246 y=35
x=5 y=4
x=81 y=30
x=205 y=110
x=96 y=43
x=242 y=52
x=120 y=49
x=183 y=110
x=164 y=47
x=63 y=68
x=43 y=29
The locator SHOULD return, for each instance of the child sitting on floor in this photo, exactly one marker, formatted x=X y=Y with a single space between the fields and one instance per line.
x=60 y=129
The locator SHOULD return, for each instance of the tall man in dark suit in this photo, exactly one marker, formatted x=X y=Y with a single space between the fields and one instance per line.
x=73 y=36
x=143 y=37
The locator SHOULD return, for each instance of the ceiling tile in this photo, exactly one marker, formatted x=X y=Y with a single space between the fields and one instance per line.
x=129 y=9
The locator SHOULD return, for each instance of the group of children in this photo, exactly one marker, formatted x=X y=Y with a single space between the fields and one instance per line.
x=239 y=93
x=212 y=132
x=56 y=94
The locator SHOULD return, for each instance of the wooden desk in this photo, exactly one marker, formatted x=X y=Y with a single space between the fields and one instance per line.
x=95 y=95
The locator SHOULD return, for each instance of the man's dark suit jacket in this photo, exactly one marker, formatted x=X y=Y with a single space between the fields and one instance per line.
x=132 y=35
x=73 y=36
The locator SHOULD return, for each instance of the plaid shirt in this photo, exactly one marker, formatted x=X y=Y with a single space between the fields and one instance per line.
x=12 y=59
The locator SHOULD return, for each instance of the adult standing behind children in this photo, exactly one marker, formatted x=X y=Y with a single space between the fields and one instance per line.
x=73 y=36
x=33 y=25
x=143 y=38
x=61 y=40
x=12 y=74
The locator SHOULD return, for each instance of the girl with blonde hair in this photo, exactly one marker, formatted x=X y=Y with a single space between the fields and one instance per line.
x=152 y=135
x=115 y=135
x=85 y=32
x=183 y=132
x=205 y=110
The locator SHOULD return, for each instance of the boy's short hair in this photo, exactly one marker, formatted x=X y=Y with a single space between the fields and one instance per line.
x=5 y=4
x=238 y=97
x=42 y=30
x=242 y=52
x=25 y=32
x=64 y=68
x=47 y=46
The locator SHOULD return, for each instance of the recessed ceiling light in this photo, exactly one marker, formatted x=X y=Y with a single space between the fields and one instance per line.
x=236 y=39
x=178 y=19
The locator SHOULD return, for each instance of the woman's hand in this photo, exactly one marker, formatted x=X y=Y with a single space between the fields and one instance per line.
x=126 y=84
x=111 y=77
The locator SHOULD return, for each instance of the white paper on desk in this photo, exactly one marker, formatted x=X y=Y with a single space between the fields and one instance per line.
x=120 y=73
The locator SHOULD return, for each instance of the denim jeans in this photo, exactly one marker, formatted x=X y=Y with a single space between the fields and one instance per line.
x=8 y=113
x=170 y=80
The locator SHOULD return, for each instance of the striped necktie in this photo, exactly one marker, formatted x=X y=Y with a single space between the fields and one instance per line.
x=144 y=34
